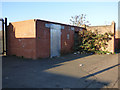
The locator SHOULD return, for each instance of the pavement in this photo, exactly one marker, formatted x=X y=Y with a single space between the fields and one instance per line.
x=69 y=71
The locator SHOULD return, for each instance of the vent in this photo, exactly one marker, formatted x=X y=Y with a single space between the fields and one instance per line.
x=62 y=27
x=47 y=25
x=72 y=28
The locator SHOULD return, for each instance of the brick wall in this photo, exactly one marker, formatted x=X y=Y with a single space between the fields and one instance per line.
x=42 y=40
x=67 y=43
x=21 y=39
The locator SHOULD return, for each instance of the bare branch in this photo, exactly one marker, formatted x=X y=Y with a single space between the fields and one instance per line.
x=79 y=20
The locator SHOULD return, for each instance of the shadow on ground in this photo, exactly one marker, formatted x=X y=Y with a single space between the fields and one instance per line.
x=27 y=73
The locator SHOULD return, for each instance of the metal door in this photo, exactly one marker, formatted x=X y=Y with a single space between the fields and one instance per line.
x=55 y=40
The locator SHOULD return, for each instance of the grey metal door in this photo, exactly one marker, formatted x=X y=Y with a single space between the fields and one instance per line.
x=55 y=40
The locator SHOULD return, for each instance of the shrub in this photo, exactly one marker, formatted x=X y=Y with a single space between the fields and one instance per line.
x=89 y=41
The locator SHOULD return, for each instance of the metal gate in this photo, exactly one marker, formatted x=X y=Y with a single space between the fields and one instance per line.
x=3 y=36
x=55 y=40
x=1 y=46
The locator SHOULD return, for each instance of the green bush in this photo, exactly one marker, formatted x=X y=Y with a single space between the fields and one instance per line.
x=89 y=41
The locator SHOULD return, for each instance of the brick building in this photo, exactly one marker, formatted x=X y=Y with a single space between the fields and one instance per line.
x=40 y=39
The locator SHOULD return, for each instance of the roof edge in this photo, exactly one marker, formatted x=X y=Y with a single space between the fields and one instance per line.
x=58 y=23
